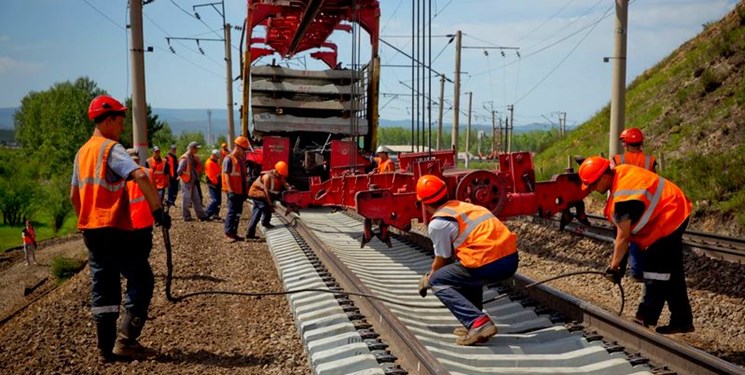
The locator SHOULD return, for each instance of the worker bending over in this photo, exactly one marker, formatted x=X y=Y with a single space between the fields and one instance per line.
x=263 y=192
x=472 y=248
x=653 y=213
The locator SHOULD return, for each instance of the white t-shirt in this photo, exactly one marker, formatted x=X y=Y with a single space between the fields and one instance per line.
x=443 y=231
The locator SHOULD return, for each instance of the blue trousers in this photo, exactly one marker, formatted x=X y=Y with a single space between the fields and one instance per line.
x=172 y=191
x=636 y=260
x=664 y=281
x=215 y=200
x=261 y=211
x=235 y=209
x=460 y=288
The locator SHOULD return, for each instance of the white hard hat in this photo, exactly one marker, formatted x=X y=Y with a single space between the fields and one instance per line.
x=382 y=149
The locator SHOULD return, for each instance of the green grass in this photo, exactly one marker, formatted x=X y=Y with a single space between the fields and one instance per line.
x=64 y=268
x=10 y=236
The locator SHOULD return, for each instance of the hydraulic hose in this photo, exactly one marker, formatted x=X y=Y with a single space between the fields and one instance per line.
x=171 y=298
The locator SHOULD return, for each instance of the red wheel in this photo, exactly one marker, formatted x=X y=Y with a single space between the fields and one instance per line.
x=483 y=188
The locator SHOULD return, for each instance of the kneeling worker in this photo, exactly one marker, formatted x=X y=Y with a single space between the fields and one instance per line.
x=472 y=248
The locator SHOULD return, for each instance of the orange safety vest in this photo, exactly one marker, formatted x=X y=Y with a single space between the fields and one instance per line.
x=665 y=206
x=223 y=154
x=172 y=165
x=103 y=204
x=387 y=166
x=186 y=174
x=30 y=236
x=482 y=238
x=235 y=181
x=158 y=169
x=635 y=158
x=257 y=188
x=199 y=165
x=139 y=209
x=212 y=169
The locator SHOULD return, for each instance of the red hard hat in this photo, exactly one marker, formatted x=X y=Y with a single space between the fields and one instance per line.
x=282 y=169
x=104 y=104
x=592 y=168
x=240 y=141
x=430 y=189
x=622 y=137
x=633 y=136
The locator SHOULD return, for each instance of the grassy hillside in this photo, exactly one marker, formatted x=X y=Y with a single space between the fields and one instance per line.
x=691 y=107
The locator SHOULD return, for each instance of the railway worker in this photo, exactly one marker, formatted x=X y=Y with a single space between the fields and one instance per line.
x=653 y=213
x=214 y=185
x=29 y=243
x=159 y=168
x=98 y=194
x=224 y=151
x=235 y=185
x=383 y=161
x=188 y=173
x=263 y=192
x=472 y=248
x=632 y=139
x=130 y=327
x=172 y=159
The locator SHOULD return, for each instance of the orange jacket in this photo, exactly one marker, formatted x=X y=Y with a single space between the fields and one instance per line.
x=482 y=238
x=666 y=207
x=275 y=183
x=212 y=170
x=102 y=204
x=172 y=165
x=139 y=209
x=235 y=181
x=159 y=172
x=29 y=237
x=185 y=175
x=387 y=166
x=635 y=158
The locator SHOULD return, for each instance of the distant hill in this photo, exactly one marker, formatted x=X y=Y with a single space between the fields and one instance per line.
x=691 y=108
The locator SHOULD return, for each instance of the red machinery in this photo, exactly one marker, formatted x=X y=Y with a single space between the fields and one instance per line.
x=390 y=198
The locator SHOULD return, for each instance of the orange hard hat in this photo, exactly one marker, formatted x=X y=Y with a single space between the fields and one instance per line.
x=282 y=169
x=103 y=104
x=592 y=168
x=241 y=141
x=633 y=136
x=622 y=137
x=430 y=189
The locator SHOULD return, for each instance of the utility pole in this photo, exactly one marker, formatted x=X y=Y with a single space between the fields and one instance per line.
x=468 y=129
x=499 y=134
x=493 y=131
x=618 y=85
x=563 y=123
x=439 y=116
x=229 y=80
x=456 y=93
x=209 y=127
x=510 y=127
x=139 y=104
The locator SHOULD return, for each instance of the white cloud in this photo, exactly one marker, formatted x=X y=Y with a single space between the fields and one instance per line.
x=11 y=66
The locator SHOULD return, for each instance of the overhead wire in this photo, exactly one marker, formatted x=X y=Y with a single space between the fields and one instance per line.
x=562 y=60
x=544 y=22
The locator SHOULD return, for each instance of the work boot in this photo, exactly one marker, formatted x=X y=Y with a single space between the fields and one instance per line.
x=126 y=344
x=105 y=336
x=480 y=331
x=671 y=329
x=460 y=331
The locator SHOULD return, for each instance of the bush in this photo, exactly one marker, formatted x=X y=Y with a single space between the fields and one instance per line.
x=64 y=268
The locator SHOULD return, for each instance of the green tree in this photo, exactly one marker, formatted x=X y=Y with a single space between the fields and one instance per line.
x=187 y=137
x=56 y=200
x=164 y=138
x=51 y=125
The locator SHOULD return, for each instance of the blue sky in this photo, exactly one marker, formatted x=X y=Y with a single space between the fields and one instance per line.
x=562 y=44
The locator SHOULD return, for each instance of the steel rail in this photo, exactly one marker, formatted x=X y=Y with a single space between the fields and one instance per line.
x=411 y=353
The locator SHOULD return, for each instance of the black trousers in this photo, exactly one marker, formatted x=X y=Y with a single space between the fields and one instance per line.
x=664 y=281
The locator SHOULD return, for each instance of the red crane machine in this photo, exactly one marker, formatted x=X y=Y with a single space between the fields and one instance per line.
x=316 y=120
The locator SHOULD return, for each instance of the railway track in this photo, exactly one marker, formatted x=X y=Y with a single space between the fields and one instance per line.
x=541 y=330
x=712 y=245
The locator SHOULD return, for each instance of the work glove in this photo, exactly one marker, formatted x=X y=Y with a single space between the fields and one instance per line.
x=424 y=285
x=614 y=276
x=162 y=218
